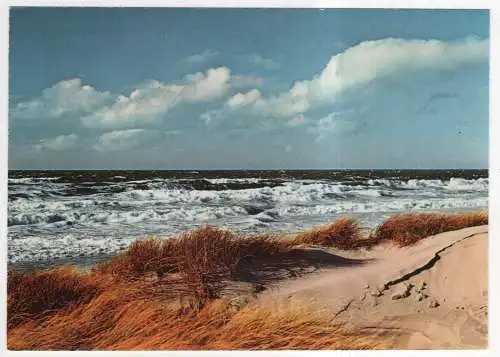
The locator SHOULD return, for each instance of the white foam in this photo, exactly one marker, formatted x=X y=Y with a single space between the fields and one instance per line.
x=459 y=184
x=31 y=180
x=217 y=181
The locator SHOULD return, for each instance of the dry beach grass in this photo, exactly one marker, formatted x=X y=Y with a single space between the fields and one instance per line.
x=408 y=229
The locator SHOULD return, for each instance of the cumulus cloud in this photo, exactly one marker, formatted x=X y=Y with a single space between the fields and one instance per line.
x=62 y=142
x=240 y=100
x=202 y=57
x=367 y=61
x=64 y=98
x=258 y=60
x=211 y=85
x=145 y=105
x=123 y=139
x=148 y=104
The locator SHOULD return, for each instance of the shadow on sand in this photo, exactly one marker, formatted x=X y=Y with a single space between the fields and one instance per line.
x=263 y=271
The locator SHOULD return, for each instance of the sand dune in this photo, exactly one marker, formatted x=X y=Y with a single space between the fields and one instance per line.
x=433 y=294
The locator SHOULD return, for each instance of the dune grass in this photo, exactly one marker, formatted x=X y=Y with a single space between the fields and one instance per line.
x=168 y=294
x=206 y=249
x=203 y=260
x=127 y=320
x=35 y=294
x=343 y=234
x=407 y=229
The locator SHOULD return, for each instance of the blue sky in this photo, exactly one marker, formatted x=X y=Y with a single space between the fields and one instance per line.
x=185 y=88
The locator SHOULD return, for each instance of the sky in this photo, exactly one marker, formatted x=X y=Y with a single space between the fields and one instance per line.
x=165 y=88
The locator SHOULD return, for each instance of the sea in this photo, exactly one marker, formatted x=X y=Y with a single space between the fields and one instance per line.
x=81 y=217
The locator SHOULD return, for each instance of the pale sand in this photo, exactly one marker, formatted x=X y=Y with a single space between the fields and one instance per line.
x=386 y=295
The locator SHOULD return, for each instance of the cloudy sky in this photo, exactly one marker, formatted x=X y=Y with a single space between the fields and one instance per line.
x=247 y=88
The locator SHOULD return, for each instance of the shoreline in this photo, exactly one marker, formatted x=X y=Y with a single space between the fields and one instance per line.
x=87 y=261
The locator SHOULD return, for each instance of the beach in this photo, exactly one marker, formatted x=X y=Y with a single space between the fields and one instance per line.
x=403 y=285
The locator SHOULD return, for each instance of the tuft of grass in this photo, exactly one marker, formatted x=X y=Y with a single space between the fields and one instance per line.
x=204 y=259
x=142 y=257
x=36 y=294
x=341 y=234
x=407 y=229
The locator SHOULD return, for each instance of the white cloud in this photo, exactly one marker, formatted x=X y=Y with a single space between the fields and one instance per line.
x=204 y=56
x=143 y=104
x=146 y=105
x=66 y=97
x=266 y=63
x=62 y=142
x=371 y=59
x=240 y=100
x=366 y=62
x=211 y=85
x=122 y=139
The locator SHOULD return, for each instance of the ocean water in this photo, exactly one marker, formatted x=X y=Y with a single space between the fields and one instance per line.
x=80 y=216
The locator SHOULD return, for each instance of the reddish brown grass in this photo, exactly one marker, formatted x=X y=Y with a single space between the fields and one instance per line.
x=142 y=256
x=204 y=258
x=408 y=229
x=205 y=248
x=208 y=257
x=36 y=294
x=342 y=234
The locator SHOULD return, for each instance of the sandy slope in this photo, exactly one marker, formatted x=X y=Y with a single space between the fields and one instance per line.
x=430 y=295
